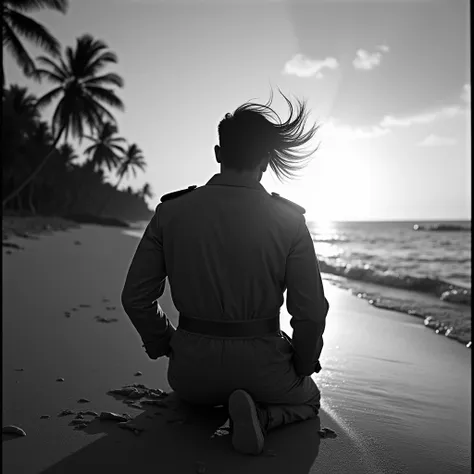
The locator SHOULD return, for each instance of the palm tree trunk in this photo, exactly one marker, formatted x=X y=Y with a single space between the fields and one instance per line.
x=108 y=200
x=30 y=198
x=35 y=171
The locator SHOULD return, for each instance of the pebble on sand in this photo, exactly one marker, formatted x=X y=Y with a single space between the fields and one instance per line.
x=125 y=391
x=83 y=400
x=14 y=430
x=77 y=242
x=108 y=415
x=89 y=413
x=132 y=427
x=19 y=370
x=60 y=379
x=44 y=417
x=137 y=374
x=84 y=306
x=79 y=421
x=66 y=412
x=327 y=433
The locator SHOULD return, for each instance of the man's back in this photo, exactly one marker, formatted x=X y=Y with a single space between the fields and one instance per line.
x=230 y=250
x=225 y=247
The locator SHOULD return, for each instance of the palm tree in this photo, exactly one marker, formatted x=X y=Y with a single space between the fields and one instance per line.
x=81 y=93
x=131 y=160
x=106 y=147
x=15 y=23
x=145 y=192
x=19 y=121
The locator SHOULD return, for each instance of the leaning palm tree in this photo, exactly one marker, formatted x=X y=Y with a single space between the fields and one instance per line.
x=106 y=149
x=15 y=23
x=81 y=91
x=132 y=160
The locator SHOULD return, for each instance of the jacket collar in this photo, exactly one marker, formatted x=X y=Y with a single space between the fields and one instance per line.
x=235 y=180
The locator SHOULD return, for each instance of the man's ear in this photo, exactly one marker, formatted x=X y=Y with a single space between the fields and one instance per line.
x=217 y=152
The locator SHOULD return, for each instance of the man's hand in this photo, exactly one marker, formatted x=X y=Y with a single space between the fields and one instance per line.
x=160 y=347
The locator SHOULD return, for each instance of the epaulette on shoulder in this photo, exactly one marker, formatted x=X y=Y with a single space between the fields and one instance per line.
x=289 y=203
x=176 y=194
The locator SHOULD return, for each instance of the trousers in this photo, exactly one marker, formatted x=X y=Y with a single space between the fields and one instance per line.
x=205 y=370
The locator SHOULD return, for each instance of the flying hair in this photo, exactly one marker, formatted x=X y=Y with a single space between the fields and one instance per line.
x=255 y=131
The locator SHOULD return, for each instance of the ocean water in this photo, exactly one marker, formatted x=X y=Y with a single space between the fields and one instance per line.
x=424 y=273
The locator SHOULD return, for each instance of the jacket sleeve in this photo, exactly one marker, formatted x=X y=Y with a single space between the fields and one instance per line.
x=306 y=302
x=144 y=284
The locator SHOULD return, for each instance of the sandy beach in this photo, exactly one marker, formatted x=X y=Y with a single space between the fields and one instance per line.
x=397 y=395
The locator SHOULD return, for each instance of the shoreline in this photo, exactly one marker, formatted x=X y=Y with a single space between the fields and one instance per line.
x=430 y=322
x=30 y=227
x=391 y=393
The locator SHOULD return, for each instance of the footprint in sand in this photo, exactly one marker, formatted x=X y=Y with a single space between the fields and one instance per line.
x=101 y=319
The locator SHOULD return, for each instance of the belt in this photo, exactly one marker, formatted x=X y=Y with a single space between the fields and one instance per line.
x=252 y=328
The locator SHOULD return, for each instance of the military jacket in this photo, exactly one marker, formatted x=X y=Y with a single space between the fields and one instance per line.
x=230 y=250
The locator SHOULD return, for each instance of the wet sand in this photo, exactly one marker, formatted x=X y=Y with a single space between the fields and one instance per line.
x=397 y=395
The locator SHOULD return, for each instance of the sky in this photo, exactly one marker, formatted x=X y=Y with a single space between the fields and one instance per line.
x=388 y=83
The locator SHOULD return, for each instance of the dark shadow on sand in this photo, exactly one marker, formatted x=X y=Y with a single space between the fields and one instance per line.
x=175 y=440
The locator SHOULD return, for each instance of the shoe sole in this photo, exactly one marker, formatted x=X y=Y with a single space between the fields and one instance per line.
x=247 y=436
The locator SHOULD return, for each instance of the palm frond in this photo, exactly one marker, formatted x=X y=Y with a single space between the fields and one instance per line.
x=106 y=95
x=17 y=50
x=40 y=74
x=101 y=62
x=106 y=79
x=47 y=98
x=33 y=31
x=60 y=69
x=29 y=5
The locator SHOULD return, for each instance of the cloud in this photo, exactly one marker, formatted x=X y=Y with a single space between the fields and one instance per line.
x=466 y=93
x=366 y=61
x=331 y=129
x=436 y=140
x=384 y=48
x=422 y=118
x=302 y=66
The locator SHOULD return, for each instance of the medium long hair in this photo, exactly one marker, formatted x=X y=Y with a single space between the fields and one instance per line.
x=254 y=132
